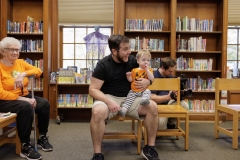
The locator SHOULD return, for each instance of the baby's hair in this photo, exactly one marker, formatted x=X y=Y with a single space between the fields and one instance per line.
x=143 y=52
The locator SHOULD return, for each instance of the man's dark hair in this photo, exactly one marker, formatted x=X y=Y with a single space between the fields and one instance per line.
x=115 y=40
x=167 y=62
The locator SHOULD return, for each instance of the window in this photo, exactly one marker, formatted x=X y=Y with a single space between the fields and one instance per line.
x=233 y=47
x=73 y=48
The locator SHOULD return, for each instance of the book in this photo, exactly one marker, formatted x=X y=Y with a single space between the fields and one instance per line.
x=6 y=114
x=29 y=24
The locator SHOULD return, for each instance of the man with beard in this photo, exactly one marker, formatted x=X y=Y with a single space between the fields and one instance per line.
x=109 y=87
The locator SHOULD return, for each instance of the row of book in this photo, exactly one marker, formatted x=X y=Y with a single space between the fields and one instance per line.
x=194 y=24
x=37 y=63
x=37 y=84
x=144 y=24
x=74 y=100
x=155 y=63
x=29 y=26
x=70 y=75
x=194 y=64
x=195 y=44
x=201 y=105
x=150 y=44
x=200 y=84
x=29 y=45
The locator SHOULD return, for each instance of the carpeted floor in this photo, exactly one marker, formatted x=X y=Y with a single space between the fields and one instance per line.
x=72 y=141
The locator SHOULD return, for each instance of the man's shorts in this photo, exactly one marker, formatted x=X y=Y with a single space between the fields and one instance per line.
x=132 y=111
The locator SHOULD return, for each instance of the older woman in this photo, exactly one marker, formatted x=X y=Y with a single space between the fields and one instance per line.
x=15 y=98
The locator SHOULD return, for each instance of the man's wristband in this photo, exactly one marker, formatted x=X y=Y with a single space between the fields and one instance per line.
x=150 y=82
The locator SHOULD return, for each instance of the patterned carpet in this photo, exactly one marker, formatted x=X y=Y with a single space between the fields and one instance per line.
x=72 y=141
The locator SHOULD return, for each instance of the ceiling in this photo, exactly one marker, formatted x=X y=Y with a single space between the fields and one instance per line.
x=96 y=12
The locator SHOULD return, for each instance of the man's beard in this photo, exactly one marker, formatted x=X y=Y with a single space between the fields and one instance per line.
x=119 y=58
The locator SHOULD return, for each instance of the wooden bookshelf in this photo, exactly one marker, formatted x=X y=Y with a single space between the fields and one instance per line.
x=169 y=11
x=73 y=113
x=17 y=11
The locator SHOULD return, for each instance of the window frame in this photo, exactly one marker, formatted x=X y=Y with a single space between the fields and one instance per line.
x=237 y=46
x=61 y=40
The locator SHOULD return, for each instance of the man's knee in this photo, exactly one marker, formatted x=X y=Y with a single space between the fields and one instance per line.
x=184 y=104
x=99 y=112
x=154 y=108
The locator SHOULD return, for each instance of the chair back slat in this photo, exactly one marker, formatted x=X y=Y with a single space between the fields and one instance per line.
x=227 y=84
x=166 y=84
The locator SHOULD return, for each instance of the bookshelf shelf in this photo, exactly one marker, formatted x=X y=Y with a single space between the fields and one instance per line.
x=69 y=113
x=199 y=52
x=218 y=71
x=31 y=52
x=25 y=34
x=197 y=32
x=164 y=32
x=169 y=11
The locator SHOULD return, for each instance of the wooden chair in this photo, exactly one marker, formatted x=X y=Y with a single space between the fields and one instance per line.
x=174 y=111
x=7 y=136
x=233 y=109
x=133 y=135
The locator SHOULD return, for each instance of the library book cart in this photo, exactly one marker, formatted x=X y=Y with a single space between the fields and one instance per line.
x=194 y=33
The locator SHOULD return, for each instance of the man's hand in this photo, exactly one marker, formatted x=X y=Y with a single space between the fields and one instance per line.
x=142 y=83
x=173 y=94
x=113 y=106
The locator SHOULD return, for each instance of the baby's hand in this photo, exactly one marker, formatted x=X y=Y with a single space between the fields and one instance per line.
x=128 y=73
x=146 y=67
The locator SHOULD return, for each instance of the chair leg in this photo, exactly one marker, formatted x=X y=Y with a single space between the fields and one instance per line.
x=235 y=130
x=216 y=132
x=18 y=144
x=133 y=127
x=178 y=126
x=186 y=132
x=139 y=138
x=145 y=134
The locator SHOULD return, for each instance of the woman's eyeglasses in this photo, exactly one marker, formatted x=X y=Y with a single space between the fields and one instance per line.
x=12 y=50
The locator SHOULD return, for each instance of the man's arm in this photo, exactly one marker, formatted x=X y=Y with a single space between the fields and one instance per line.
x=160 y=98
x=94 y=91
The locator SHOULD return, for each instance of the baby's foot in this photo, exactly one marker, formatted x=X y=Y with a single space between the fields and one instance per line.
x=144 y=102
x=122 y=112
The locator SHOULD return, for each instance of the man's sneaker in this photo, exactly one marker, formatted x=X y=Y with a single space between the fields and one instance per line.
x=170 y=125
x=150 y=153
x=29 y=152
x=98 y=156
x=44 y=144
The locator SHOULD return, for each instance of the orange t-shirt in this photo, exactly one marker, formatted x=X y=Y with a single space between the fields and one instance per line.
x=138 y=73
x=7 y=75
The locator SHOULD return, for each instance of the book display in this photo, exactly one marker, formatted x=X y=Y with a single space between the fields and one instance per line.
x=194 y=33
x=28 y=21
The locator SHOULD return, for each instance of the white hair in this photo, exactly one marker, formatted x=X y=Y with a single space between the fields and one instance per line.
x=7 y=41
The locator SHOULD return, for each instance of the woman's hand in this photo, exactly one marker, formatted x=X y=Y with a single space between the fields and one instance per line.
x=32 y=101
x=18 y=82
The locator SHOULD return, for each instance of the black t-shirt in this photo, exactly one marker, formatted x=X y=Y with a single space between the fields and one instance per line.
x=114 y=75
x=157 y=74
